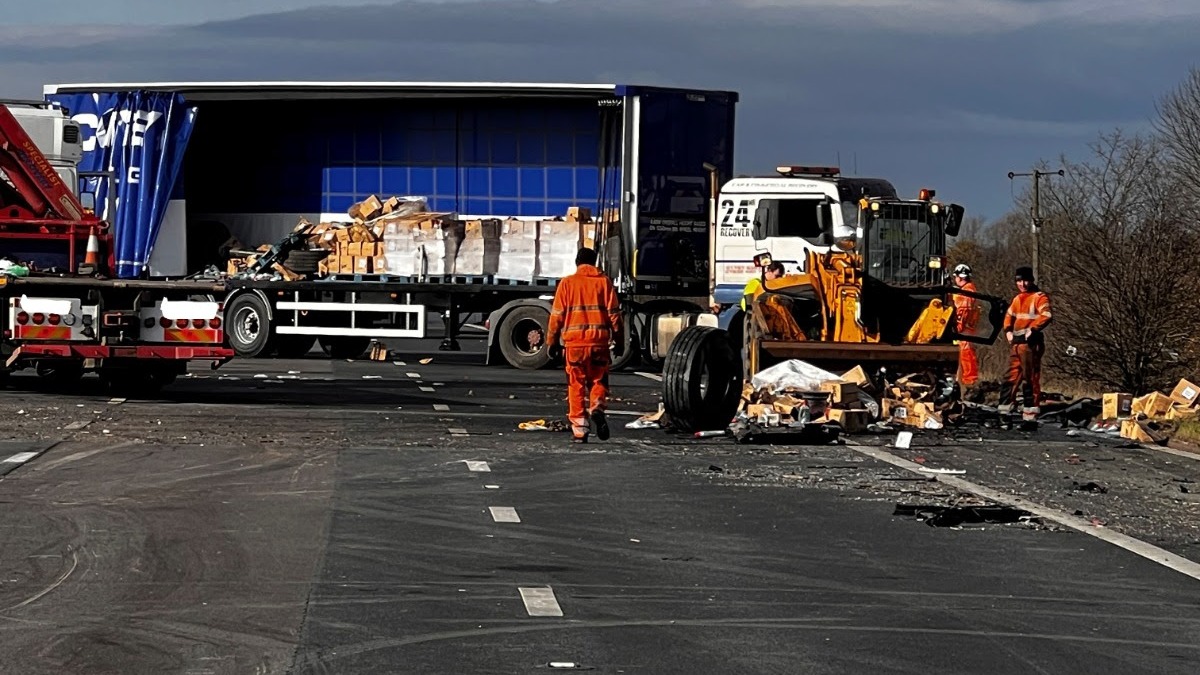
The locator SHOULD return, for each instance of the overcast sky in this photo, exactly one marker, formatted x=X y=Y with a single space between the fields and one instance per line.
x=950 y=94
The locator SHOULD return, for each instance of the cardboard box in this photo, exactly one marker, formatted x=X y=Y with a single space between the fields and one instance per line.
x=840 y=392
x=379 y=264
x=1143 y=432
x=853 y=421
x=1154 y=405
x=1117 y=406
x=362 y=265
x=858 y=376
x=367 y=209
x=579 y=214
x=1186 y=394
x=1179 y=413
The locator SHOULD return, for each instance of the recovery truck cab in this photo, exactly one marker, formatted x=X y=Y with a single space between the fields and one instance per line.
x=59 y=313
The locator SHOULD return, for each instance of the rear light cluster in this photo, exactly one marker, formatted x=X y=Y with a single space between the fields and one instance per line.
x=39 y=319
x=213 y=323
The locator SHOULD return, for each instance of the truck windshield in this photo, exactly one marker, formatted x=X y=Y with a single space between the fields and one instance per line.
x=901 y=238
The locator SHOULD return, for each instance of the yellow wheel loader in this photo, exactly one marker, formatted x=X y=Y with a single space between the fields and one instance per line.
x=881 y=300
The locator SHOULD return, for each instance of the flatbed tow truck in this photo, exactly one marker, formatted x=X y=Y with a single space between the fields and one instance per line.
x=137 y=335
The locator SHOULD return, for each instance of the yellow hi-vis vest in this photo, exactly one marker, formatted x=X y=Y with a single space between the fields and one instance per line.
x=752 y=287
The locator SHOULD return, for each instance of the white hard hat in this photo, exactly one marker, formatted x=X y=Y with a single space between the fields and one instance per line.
x=962 y=270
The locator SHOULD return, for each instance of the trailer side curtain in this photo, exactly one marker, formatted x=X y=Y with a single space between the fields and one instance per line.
x=140 y=138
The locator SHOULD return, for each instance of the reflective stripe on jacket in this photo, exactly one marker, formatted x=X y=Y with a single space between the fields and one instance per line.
x=1028 y=312
x=586 y=309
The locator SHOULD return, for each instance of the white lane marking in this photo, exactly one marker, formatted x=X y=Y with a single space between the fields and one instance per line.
x=116 y=401
x=540 y=601
x=1137 y=546
x=477 y=466
x=504 y=514
x=20 y=458
x=492 y=487
x=372 y=377
x=414 y=375
x=458 y=432
x=428 y=389
x=399 y=363
x=441 y=407
x=650 y=376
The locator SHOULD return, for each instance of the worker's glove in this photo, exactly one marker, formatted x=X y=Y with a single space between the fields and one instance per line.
x=555 y=351
x=618 y=347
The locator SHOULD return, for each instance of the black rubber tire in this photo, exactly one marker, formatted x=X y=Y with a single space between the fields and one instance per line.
x=248 y=327
x=632 y=354
x=345 y=347
x=305 y=261
x=516 y=351
x=693 y=401
x=59 y=374
x=294 y=346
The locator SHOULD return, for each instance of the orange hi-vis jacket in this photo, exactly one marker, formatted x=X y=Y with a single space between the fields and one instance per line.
x=587 y=311
x=1028 y=312
x=966 y=309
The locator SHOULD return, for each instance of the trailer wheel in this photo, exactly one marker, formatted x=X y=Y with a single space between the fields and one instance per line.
x=59 y=374
x=294 y=346
x=522 y=337
x=248 y=326
x=631 y=354
x=345 y=347
x=702 y=379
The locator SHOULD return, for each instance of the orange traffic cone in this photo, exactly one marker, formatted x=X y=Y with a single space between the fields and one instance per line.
x=91 y=259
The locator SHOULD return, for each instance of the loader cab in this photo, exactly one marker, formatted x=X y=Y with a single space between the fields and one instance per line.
x=903 y=243
x=802 y=209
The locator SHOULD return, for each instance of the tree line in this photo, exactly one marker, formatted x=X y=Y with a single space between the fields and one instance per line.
x=1119 y=255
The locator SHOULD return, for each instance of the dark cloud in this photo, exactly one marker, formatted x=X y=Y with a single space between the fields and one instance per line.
x=952 y=104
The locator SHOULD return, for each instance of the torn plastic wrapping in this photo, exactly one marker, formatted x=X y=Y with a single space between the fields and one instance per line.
x=803 y=376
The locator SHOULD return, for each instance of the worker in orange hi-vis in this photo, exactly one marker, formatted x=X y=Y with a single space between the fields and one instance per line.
x=587 y=316
x=1028 y=315
x=966 y=317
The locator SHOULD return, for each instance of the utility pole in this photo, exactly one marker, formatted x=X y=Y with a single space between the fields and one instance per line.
x=1035 y=212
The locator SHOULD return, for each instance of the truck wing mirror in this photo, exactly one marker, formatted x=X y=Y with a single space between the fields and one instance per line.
x=762 y=223
x=825 y=222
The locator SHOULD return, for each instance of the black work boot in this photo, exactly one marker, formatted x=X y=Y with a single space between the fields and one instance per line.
x=601 y=422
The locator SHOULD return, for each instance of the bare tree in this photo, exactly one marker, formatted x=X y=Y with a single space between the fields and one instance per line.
x=1119 y=249
x=1178 y=125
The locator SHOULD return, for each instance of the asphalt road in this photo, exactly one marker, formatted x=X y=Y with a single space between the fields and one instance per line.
x=311 y=516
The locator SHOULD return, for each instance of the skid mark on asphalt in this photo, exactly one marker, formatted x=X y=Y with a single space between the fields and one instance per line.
x=48 y=589
x=1136 y=546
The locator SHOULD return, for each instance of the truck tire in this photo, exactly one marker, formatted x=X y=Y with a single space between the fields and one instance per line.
x=305 y=261
x=294 y=346
x=702 y=380
x=248 y=326
x=518 y=331
x=632 y=353
x=345 y=347
x=60 y=374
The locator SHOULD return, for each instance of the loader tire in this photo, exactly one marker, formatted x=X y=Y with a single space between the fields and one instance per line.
x=702 y=380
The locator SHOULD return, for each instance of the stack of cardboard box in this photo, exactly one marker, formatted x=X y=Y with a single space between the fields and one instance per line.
x=835 y=401
x=911 y=402
x=1151 y=418
x=397 y=236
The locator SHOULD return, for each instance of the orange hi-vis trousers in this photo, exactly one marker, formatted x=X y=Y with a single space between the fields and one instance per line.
x=587 y=384
x=968 y=364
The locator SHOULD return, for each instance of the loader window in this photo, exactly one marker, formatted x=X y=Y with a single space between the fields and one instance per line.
x=795 y=218
x=900 y=243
